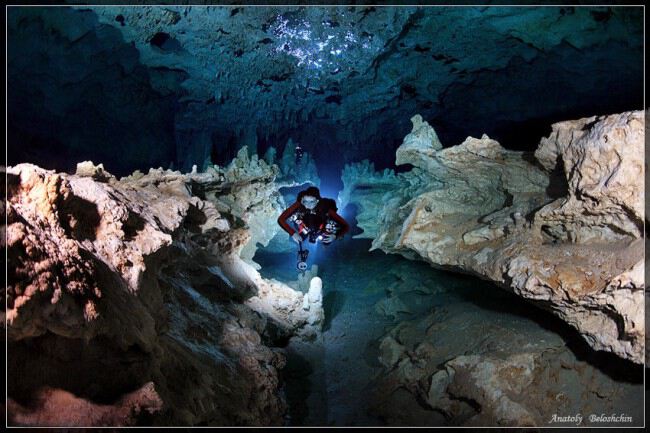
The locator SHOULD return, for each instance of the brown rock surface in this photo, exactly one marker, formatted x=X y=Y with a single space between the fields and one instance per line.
x=472 y=362
x=116 y=286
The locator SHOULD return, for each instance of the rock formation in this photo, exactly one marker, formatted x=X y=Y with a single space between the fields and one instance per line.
x=296 y=172
x=342 y=81
x=562 y=228
x=475 y=360
x=249 y=191
x=129 y=298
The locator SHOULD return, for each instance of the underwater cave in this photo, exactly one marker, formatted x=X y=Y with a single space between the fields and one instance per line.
x=325 y=216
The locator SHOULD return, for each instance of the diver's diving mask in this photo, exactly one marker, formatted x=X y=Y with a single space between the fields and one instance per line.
x=309 y=202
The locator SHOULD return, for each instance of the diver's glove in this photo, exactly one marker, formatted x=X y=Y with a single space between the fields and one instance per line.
x=296 y=237
x=328 y=238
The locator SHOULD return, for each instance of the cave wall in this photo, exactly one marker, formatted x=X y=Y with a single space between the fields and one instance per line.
x=129 y=300
x=342 y=81
x=77 y=91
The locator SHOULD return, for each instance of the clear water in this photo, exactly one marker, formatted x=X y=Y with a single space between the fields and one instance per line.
x=335 y=380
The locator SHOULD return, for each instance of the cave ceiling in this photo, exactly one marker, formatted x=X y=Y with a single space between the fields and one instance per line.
x=344 y=81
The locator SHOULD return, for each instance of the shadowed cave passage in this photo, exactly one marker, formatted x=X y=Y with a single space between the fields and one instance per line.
x=341 y=378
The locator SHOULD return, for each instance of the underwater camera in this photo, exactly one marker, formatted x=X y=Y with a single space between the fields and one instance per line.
x=302 y=259
x=315 y=236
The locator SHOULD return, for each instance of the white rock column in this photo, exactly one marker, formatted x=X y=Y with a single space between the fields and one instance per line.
x=313 y=302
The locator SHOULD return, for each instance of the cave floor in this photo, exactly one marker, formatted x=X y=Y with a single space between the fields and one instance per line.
x=338 y=379
x=327 y=379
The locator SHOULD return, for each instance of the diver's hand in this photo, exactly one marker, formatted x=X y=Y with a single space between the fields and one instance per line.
x=296 y=237
x=328 y=238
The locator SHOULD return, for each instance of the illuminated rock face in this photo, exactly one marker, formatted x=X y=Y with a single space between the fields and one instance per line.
x=132 y=299
x=568 y=240
x=486 y=359
x=605 y=164
x=187 y=84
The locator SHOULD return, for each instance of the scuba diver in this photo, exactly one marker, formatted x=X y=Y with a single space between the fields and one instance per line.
x=315 y=219
x=299 y=153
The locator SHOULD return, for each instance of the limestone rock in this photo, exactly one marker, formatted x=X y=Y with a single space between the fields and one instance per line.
x=361 y=178
x=314 y=298
x=56 y=407
x=602 y=158
x=391 y=307
x=120 y=283
x=479 y=208
x=390 y=352
x=491 y=383
x=296 y=172
x=504 y=370
x=485 y=233
x=335 y=78
x=437 y=393
x=484 y=147
x=422 y=140
x=248 y=191
x=97 y=172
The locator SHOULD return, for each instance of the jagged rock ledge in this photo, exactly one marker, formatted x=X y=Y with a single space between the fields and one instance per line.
x=562 y=227
x=131 y=300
